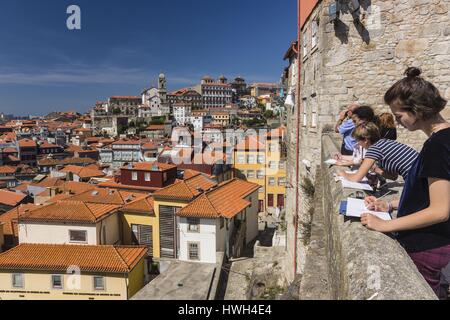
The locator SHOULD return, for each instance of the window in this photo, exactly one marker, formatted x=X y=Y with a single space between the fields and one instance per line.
x=273 y=165
x=193 y=224
x=260 y=174
x=271 y=181
x=251 y=159
x=282 y=182
x=251 y=174
x=304 y=108
x=57 y=282
x=305 y=43
x=17 y=280
x=148 y=176
x=78 y=235
x=134 y=176
x=261 y=190
x=314 y=33
x=241 y=159
x=99 y=283
x=261 y=159
x=194 y=249
x=282 y=164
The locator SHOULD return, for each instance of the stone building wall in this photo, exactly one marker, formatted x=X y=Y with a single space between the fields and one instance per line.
x=358 y=62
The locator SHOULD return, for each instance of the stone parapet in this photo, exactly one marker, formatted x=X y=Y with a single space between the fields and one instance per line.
x=361 y=264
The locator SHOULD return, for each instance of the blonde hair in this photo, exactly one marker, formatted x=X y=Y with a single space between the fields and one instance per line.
x=386 y=120
x=367 y=130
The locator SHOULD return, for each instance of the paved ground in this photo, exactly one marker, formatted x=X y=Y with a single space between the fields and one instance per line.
x=181 y=281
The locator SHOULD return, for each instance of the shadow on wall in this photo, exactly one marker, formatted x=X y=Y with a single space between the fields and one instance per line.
x=341 y=30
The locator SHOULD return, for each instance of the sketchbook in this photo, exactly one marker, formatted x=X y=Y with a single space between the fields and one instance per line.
x=363 y=185
x=355 y=207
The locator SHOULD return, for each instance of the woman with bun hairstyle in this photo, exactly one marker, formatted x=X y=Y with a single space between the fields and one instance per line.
x=422 y=226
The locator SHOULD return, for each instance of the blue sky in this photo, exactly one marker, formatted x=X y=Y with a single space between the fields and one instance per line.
x=124 y=45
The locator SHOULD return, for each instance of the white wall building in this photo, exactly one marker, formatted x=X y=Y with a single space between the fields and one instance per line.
x=71 y=222
x=222 y=220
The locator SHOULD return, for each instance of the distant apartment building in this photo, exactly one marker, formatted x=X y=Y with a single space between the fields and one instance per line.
x=28 y=151
x=124 y=105
x=215 y=94
x=126 y=151
x=240 y=89
x=186 y=95
x=222 y=118
x=259 y=89
x=262 y=160
x=181 y=113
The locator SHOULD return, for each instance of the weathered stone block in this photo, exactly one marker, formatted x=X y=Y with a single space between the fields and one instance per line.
x=410 y=48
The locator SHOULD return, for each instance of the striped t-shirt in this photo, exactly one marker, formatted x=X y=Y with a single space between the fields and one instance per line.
x=392 y=156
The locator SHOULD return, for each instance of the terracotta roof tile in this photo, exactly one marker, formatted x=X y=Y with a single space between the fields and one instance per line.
x=108 y=196
x=227 y=200
x=10 y=218
x=83 y=172
x=150 y=166
x=144 y=205
x=45 y=257
x=27 y=143
x=73 y=211
x=8 y=170
x=67 y=161
x=186 y=189
x=11 y=198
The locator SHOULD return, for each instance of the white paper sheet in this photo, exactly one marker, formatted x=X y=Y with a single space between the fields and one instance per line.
x=355 y=207
x=331 y=162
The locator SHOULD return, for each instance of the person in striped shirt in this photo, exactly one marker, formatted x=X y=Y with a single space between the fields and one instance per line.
x=393 y=158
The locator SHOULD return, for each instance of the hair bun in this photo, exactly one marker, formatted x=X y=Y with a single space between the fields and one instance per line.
x=413 y=72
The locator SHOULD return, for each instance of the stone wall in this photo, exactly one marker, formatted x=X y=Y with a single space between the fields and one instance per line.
x=358 y=263
x=354 y=62
x=358 y=62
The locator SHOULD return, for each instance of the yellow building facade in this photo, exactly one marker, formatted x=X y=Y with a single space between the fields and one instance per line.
x=65 y=272
x=262 y=161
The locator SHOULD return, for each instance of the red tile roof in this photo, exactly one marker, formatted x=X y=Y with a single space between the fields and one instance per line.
x=150 y=166
x=144 y=205
x=11 y=217
x=71 y=211
x=227 y=200
x=83 y=172
x=8 y=170
x=45 y=257
x=11 y=198
x=186 y=189
x=24 y=143
x=108 y=196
